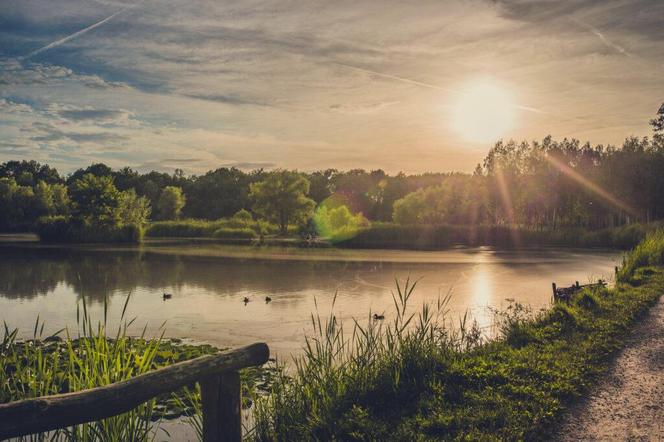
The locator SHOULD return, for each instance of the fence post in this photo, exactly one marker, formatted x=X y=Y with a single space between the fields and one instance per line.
x=221 y=401
x=553 y=286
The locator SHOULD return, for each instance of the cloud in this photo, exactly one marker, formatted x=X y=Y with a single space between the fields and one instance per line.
x=362 y=108
x=90 y=115
x=12 y=107
x=248 y=165
x=227 y=99
x=14 y=73
x=46 y=132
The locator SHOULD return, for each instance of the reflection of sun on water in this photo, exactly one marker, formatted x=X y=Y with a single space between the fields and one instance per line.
x=481 y=291
x=484 y=112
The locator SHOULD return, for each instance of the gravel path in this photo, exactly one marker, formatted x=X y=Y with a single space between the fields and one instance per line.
x=628 y=403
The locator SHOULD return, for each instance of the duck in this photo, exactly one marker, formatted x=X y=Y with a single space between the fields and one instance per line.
x=246 y=300
x=166 y=296
x=268 y=299
x=378 y=317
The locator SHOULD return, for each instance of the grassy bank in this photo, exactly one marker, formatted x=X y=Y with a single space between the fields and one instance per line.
x=388 y=235
x=424 y=382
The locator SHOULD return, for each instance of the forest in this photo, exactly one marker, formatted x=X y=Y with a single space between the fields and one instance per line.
x=538 y=185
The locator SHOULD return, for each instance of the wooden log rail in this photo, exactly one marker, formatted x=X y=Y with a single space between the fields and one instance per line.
x=220 y=396
x=565 y=293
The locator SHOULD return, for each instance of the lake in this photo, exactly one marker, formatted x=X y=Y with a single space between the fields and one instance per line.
x=208 y=283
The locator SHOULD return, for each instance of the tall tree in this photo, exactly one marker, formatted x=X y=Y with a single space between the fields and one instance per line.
x=171 y=202
x=282 y=198
x=95 y=200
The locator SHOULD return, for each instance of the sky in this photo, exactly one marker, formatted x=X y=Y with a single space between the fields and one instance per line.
x=197 y=85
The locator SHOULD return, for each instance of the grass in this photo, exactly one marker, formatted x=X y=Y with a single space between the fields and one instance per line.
x=92 y=357
x=389 y=235
x=649 y=252
x=47 y=366
x=415 y=379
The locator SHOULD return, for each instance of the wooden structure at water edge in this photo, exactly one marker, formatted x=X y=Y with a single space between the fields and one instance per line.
x=217 y=375
x=565 y=293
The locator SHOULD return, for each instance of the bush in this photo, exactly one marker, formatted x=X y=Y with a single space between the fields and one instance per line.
x=198 y=228
x=239 y=233
x=187 y=228
x=59 y=229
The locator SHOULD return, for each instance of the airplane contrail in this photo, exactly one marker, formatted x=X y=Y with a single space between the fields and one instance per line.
x=74 y=35
x=427 y=85
x=608 y=43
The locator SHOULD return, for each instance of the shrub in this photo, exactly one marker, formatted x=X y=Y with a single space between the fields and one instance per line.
x=187 y=228
x=239 y=233
x=59 y=229
x=199 y=228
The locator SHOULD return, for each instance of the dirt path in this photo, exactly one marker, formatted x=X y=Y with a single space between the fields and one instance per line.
x=628 y=403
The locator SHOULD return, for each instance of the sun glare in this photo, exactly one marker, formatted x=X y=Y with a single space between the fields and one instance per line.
x=484 y=112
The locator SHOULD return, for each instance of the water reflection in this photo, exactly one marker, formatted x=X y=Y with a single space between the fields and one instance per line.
x=208 y=287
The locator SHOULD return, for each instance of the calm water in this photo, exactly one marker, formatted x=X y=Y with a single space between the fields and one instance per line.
x=209 y=282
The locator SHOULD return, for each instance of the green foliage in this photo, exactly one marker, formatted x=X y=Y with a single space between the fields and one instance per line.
x=338 y=223
x=133 y=209
x=171 y=202
x=414 y=379
x=243 y=216
x=282 y=198
x=382 y=235
x=234 y=232
x=22 y=205
x=197 y=228
x=60 y=229
x=460 y=199
x=95 y=200
x=650 y=252
x=52 y=365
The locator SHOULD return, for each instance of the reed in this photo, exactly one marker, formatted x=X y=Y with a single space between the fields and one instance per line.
x=93 y=357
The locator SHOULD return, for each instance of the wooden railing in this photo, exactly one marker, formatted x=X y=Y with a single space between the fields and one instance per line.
x=220 y=396
x=565 y=293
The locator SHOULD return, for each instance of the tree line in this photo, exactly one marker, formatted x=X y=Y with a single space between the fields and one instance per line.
x=541 y=184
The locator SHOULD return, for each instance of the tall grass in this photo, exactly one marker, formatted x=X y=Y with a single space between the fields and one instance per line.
x=649 y=252
x=197 y=228
x=342 y=370
x=412 y=377
x=52 y=365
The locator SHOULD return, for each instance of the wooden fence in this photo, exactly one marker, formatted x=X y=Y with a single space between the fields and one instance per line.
x=220 y=396
x=565 y=293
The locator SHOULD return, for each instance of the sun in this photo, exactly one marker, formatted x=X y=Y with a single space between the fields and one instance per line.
x=484 y=111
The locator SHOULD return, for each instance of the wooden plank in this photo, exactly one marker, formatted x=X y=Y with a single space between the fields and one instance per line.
x=63 y=410
x=222 y=401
